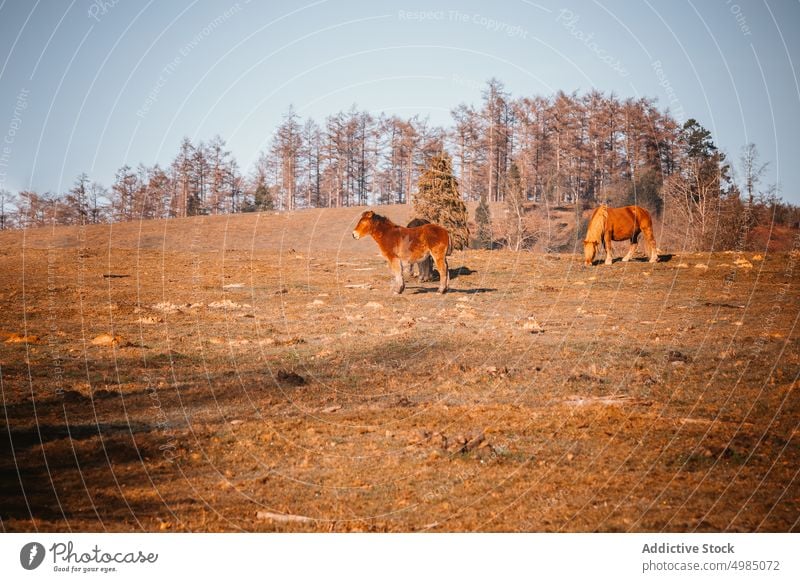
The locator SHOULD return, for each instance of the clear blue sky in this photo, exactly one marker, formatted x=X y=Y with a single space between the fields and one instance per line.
x=92 y=85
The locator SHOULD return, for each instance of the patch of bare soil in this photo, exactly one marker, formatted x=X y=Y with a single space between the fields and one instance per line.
x=255 y=373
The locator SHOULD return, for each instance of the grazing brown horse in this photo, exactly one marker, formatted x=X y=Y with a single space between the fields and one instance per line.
x=609 y=224
x=406 y=245
x=425 y=266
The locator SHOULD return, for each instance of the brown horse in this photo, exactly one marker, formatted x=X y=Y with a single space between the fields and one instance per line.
x=609 y=224
x=406 y=245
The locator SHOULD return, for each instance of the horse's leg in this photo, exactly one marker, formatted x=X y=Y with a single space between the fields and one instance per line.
x=425 y=267
x=629 y=256
x=441 y=266
x=396 y=267
x=607 y=242
x=652 y=249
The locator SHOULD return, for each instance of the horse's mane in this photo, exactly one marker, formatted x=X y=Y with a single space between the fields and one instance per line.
x=383 y=219
x=597 y=225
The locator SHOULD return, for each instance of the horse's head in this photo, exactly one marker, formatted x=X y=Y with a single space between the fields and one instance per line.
x=364 y=226
x=589 y=251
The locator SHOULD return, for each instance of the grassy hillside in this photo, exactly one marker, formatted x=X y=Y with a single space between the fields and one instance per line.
x=254 y=373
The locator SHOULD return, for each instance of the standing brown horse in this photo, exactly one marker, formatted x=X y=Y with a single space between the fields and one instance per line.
x=410 y=245
x=609 y=224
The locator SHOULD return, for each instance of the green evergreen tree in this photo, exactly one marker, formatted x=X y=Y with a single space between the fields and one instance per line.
x=483 y=220
x=439 y=201
x=262 y=199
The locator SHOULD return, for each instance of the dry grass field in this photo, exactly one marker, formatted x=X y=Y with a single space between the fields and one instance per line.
x=253 y=372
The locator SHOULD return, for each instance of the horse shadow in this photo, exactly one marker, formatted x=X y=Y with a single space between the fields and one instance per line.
x=477 y=290
x=665 y=258
x=462 y=271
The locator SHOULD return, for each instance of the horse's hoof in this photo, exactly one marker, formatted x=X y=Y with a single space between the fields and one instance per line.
x=442 y=291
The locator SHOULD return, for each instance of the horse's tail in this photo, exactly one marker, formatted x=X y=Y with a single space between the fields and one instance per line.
x=597 y=224
x=449 y=244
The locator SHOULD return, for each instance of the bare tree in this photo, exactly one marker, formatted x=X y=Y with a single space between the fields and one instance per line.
x=36 y=209
x=76 y=202
x=753 y=172
x=97 y=201
x=123 y=193
x=312 y=164
x=219 y=161
x=7 y=200
x=470 y=155
x=694 y=194
x=199 y=179
x=182 y=178
x=286 y=149
x=155 y=193
x=496 y=116
x=516 y=227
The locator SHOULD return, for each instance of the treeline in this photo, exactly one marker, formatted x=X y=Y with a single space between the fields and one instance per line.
x=203 y=178
x=563 y=149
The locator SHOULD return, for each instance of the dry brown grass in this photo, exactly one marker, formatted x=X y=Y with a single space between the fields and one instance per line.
x=258 y=365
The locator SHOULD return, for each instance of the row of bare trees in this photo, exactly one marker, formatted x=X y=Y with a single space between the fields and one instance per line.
x=353 y=158
x=566 y=149
x=202 y=179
